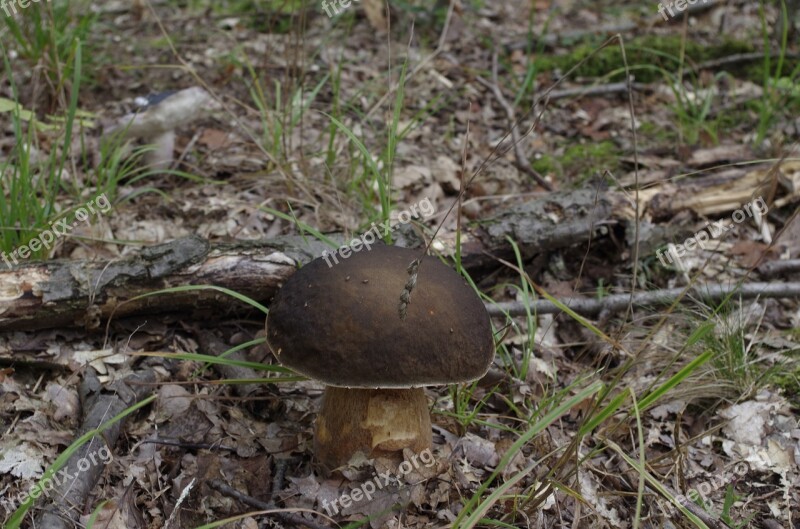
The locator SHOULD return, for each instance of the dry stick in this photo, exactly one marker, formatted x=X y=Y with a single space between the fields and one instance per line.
x=735 y=59
x=555 y=39
x=632 y=112
x=776 y=268
x=616 y=302
x=519 y=157
x=599 y=90
x=689 y=505
x=285 y=517
x=100 y=405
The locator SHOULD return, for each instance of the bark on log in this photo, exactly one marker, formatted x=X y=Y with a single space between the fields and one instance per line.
x=85 y=293
x=59 y=294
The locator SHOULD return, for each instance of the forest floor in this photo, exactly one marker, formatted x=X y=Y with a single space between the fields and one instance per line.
x=682 y=414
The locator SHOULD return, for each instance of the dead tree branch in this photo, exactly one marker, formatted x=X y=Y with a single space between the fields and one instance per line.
x=712 y=292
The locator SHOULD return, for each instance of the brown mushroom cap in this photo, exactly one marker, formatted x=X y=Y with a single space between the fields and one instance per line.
x=340 y=324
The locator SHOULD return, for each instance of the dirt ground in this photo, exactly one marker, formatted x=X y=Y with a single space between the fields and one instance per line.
x=680 y=414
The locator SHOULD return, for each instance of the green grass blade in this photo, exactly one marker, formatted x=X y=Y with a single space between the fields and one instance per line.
x=187 y=288
x=676 y=379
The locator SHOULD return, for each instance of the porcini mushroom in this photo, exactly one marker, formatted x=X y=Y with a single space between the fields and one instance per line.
x=339 y=324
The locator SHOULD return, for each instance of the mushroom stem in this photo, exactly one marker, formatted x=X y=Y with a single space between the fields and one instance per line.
x=376 y=422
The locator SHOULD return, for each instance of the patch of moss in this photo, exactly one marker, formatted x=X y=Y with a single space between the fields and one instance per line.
x=789 y=384
x=583 y=160
x=645 y=56
x=787 y=376
x=547 y=164
x=657 y=134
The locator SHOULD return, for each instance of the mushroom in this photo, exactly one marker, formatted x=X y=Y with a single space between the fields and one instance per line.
x=339 y=324
x=157 y=118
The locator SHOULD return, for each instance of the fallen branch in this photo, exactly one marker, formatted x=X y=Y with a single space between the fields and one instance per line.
x=778 y=268
x=712 y=292
x=59 y=294
x=81 y=472
x=86 y=293
x=62 y=294
x=718 y=64
x=599 y=90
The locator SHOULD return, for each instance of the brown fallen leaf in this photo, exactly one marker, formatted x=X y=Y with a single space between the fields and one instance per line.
x=215 y=139
x=719 y=155
x=749 y=253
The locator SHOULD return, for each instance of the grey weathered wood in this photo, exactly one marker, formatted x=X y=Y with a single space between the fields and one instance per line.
x=64 y=504
x=86 y=293
x=712 y=292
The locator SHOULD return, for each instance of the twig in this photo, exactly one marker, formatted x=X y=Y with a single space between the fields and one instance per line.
x=79 y=476
x=777 y=268
x=176 y=509
x=715 y=64
x=599 y=90
x=189 y=446
x=616 y=302
x=285 y=517
x=520 y=162
x=280 y=475
x=689 y=505
x=692 y=9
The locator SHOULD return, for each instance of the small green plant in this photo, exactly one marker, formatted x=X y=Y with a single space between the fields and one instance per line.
x=727 y=506
x=463 y=411
x=45 y=34
x=734 y=358
x=587 y=159
x=693 y=108
x=30 y=186
x=279 y=123
x=775 y=98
